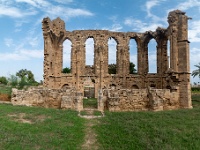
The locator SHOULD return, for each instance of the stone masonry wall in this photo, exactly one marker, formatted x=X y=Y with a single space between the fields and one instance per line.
x=49 y=98
x=140 y=100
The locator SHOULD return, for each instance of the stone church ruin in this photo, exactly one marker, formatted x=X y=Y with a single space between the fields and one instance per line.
x=167 y=89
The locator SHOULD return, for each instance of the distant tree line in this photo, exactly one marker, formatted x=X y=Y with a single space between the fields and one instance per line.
x=112 y=69
x=22 y=78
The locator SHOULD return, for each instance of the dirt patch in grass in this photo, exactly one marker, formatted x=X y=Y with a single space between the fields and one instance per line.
x=25 y=118
x=4 y=97
x=90 y=136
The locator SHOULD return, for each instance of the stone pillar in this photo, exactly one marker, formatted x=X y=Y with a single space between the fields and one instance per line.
x=184 y=62
x=179 y=54
x=73 y=59
x=122 y=60
x=145 y=60
x=162 y=58
x=139 y=59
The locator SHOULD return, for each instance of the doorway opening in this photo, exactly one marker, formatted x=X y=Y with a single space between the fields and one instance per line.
x=89 y=100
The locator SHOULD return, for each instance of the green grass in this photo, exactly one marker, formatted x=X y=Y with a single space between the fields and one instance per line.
x=166 y=130
x=196 y=100
x=5 y=89
x=94 y=113
x=90 y=103
x=63 y=129
x=50 y=129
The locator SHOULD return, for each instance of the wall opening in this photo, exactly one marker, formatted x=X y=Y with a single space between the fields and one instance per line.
x=133 y=56
x=89 y=56
x=67 y=46
x=112 y=56
x=168 y=53
x=89 y=53
x=134 y=86
x=152 y=56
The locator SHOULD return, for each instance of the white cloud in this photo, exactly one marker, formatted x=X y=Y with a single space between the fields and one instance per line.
x=31 y=2
x=14 y=12
x=63 y=1
x=8 y=42
x=188 y=4
x=51 y=10
x=115 y=27
x=194 y=31
x=67 y=12
x=21 y=55
x=140 y=26
x=149 y=5
x=19 y=23
x=35 y=3
x=34 y=41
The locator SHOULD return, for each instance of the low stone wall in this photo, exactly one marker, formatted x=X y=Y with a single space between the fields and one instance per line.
x=140 y=99
x=49 y=98
x=110 y=99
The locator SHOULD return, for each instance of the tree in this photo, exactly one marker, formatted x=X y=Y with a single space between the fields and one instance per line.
x=132 y=68
x=3 y=80
x=13 y=80
x=112 y=68
x=26 y=78
x=197 y=71
x=66 y=70
x=26 y=75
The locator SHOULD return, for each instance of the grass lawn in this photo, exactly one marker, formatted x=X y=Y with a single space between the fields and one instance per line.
x=39 y=128
x=90 y=103
x=5 y=89
x=166 y=130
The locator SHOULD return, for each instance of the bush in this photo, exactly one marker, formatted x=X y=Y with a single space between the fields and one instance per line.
x=3 y=80
x=195 y=89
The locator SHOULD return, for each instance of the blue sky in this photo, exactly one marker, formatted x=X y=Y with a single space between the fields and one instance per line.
x=21 y=40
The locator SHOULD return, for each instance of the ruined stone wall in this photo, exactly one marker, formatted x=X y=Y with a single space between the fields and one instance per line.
x=170 y=85
x=140 y=99
x=49 y=98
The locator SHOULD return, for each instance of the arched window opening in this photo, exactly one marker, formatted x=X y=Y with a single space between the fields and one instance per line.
x=168 y=53
x=135 y=86
x=67 y=46
x=113 y=86
x=133 y=56
x=152 y=56
x=112 y=56
x=89 y=54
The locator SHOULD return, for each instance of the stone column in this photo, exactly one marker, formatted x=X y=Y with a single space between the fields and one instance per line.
x=139 y=59
x=145 y=60
x=73 y=59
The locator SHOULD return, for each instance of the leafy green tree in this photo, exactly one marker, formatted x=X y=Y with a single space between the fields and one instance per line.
x=132 y=68
x=197 y=71
x=26 y=78
x=112 y=68
x=26 y=75
x=66 y=70
x=13 y=80
x=3 y=80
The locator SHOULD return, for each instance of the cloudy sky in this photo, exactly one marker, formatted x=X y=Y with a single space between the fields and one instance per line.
x=21 y=41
